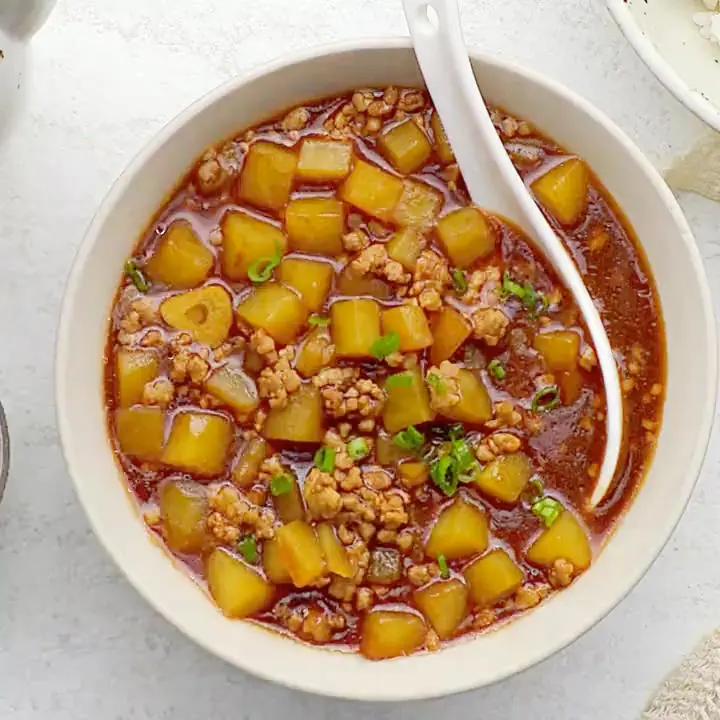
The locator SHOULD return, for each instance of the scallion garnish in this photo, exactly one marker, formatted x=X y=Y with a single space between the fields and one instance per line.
x=281 y=484
x=443 y=565
x=319 y=320
x=325 y=459
x=496 y=369
x=409 y=439
x=358 y=448
x=442 y=475
x=548 y=510
x=435 y=382
x=526 y=293
x=247 y=547
x=546 y=399
x=456 y=465
x=136 y=275
x=462 y=455
x=261 y=270
x=455 y=431
x=385 y=345
x=459 y=280
x=399 y=380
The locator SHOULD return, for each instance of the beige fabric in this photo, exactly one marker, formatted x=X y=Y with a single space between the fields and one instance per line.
x=699 y=170
x=692 y=691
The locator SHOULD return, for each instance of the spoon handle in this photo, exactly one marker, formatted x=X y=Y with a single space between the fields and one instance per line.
x=494 y=184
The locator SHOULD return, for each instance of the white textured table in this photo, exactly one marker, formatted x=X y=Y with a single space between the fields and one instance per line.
x=76 y=641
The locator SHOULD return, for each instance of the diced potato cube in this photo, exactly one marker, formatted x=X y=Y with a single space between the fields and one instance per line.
x=405 y=247
x=311 y=279
x=316 y=353
x=418 y=206
x=184 y=510
x=249 y=461
x=442 y=145
x=372 y=190
x=234 y=388
x=385 y=566
x=410 y=323
x=267 y=176
x=466 y=236
x=276 y=309
x=273 y=563
x=199 y=442
x=405 y=146
x=239 y=590
x=571 y=385
x=316 y=225
x=290 y=506
x=505 y=477
x=140 y=431
x=450 y=330
x=559 y=349
x=390 y=633
x=445 y=604
x=355 y=326
x=413 y=474
x=387 y=452
x=460 y=530
x=300 y=421
x=493 y=577
x=206 y=314
x=565 y=539
x=475 y=405
x=563 y=190
x=133 y=370
x=407 y=404
x=301 y=552
x=324 y=161
x=247 y=240
x=350 y=282
x=334 y=551
x=180 y=260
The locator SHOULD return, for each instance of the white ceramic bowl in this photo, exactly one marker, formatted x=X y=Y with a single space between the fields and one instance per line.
x=144 y=186
x=666 y=38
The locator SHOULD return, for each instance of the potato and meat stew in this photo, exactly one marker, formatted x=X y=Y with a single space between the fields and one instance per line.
x=358 y=408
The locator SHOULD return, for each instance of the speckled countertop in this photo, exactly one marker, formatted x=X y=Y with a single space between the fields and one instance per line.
x=76 y=641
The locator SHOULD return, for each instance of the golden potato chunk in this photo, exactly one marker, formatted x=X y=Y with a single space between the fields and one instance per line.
x=413 y=474
x=238 y=589
x=234 y=388
x=140 y=431
x=445 y=604
x=184 y=510
x=334 y=551
x=350 y=282
x=391 y=633
x=405 y=247
x=475 y=405
x=450 y=330
x=247 y=240
x=460 y=530
x=180 y=260
x=563 y=190
x=571 y=384
x=267 y=175
x=301 y=552
x=442 y=144
x=133 y=370
x=372 y=190
x=248 y=464
x=505 y=477
x=289 y=505
x=273 y=564
x=565 y=539
x=418 y=206
x=206 y=314
x=405 y=146
x=559 y=348
x=493 y=577
x=300 y=421
x=311 y=279
x=410 y=323
x=276 y=309
x=324 y=161
x=355 y=326
x=466 y=236
x=316 y=353
x=199 y=442
x=316 y=225
x=407 y=404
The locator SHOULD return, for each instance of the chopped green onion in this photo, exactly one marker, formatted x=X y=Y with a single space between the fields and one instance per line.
x=261 y=270
x=546 y=399
x=325 y=459
x=247 y=547
x=526 y=293
x=399 y=380
x=319 y=320
x=459 y=280
x=385 y=345
x=358 y=448
x=443 y=565
x=534 y=491
x=410 y=439
x=463 y=456
x=548 y=510
x=435 y=381
x=496 y=369
x=136 y=275
x=281 y=484
x=456 y=431
x=442 y=475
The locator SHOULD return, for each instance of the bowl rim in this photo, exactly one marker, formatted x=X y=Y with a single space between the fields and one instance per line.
x=451 y=683
x=707 y=111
